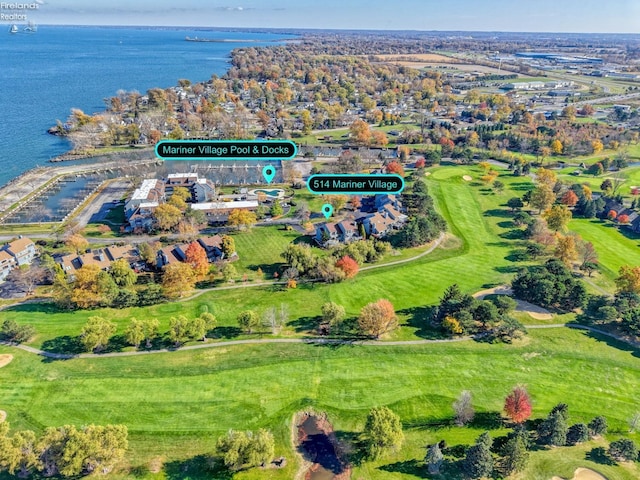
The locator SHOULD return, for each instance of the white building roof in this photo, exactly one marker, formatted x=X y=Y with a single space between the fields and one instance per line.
x=149 y=205
x=225 y=205
x=182 y=175
x=142 y=192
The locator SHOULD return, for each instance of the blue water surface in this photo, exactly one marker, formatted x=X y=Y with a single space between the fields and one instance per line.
x=45 y=74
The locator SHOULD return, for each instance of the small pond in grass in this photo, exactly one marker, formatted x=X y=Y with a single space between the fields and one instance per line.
x=318 y=445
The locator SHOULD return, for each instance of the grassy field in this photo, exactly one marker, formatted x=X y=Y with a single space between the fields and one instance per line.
x=176 y=404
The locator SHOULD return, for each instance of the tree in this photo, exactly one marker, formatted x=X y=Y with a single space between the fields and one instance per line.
x=209 y=323
x=577 y=433
x=452 y=325
x=553 y=431
x=478 y=462
x=246 y=449
x=167 y=216
x=463 y=408
x=135 y=332
x=515 y=455
x=623 y=219
x=382 y=432
x=179 y=330
x=20 y=455
x=377 y=318
x=12 y=332
x=276 y=209
x=96 y=333
x=122 y=273
x=542 y=197
x=623 y=450
x=229 y=272
x=332 y=314
x=556 y=147
x=434 y=459
x=228 y=246
x=248 y=320
x=77 y=243
x=569 y=198
x=395 y=167
x=546 y=177
x=360 y=132
x=598 y=426
x=242 y=219
x=197 y=328
x=517 y=405
x=515 y=203
x=196 y=257
x=628 y=280
x=177 y=279
x=379 y=138
x=504 y=304
x=150 y=330
x=348 y=265
x=337 y=201
x=597 y=146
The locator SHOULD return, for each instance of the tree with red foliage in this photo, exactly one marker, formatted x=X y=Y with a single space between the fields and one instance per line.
x=348 y=265
x=612 y=215
x=196 y=256
x=447 y=145
x=517 y=405
x=570 y=198
x=395 y=167
x=356 y=202
x=420 y=163
x=623 y=219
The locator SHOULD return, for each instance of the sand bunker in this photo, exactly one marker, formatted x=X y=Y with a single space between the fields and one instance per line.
x=467 y=178
x=534 y=311
x=427 y=174
x=3 y=416
x=5 y=359
x=584 y=474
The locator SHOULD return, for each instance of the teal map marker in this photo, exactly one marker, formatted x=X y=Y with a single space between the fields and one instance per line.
x=269 y=172
x=327 y=210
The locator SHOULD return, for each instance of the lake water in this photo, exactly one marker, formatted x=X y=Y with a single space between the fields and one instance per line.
x=46 y=74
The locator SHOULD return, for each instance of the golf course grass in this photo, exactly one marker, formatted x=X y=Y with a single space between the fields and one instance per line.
x=176 y=404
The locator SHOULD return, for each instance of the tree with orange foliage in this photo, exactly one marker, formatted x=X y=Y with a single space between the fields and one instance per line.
x=360 y=132
x=570 y=198
x=377 y=318
x=612 y=215
x=196 y=256
x=624 y=219
x=420 y=163
x=348 y=265
x=517 y=405
x=378 y=138
x=395 y=167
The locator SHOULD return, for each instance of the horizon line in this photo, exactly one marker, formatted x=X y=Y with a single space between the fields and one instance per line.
x=305 y=29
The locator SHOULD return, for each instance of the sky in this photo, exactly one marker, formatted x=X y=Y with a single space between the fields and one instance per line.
x=610 y=16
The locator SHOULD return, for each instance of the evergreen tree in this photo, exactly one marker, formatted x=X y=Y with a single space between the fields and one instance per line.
x=478 y=462
x=553 y=431
x=598 y=426
x=434 y=459
x=515 y=455
x=578 y=433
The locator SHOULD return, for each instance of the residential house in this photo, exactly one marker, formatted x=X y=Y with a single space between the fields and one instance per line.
x=213 y=247
x=102 y=257
x=330 y=234
x=171 y=254
x=14 y=254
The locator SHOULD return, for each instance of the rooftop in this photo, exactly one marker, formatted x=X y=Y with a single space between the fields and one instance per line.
x=225 y=205
x=143 y=191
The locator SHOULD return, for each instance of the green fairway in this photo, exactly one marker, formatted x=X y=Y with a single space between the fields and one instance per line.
x=176 y=404
x=616 y=246
x=478 y=258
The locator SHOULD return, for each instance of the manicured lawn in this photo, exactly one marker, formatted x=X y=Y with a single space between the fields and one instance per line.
x=616 y=246
x=176 y=404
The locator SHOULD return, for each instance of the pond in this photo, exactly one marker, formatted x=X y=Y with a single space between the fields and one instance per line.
x=317 y=444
